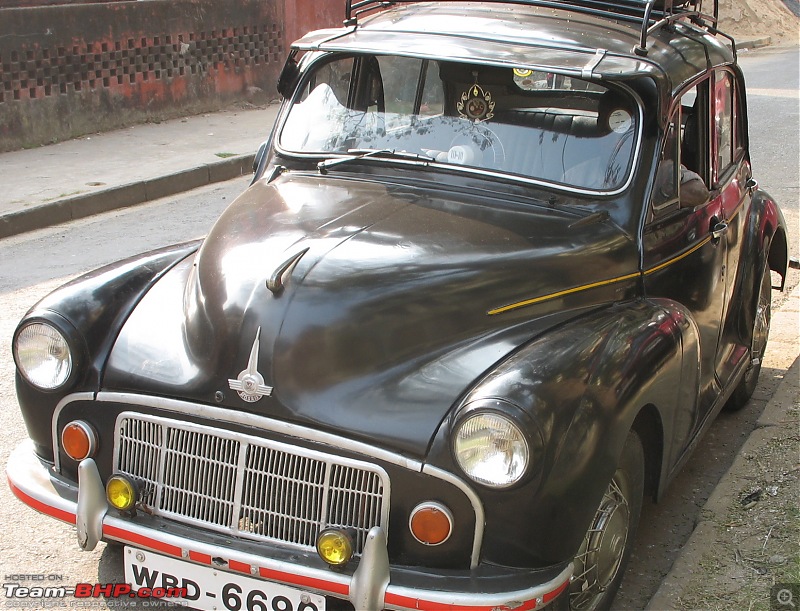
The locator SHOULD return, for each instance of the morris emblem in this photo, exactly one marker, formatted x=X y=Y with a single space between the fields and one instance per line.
x=250 y=384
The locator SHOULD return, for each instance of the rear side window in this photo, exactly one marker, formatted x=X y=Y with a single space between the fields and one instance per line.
x=723 y=121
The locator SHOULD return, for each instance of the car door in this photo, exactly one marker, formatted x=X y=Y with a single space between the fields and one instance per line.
x=731 y=175
x=684 y=257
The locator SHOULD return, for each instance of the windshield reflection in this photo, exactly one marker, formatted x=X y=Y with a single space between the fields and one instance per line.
x=537 y=125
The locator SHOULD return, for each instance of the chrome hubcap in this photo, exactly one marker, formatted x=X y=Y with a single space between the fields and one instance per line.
x=600 y=556
x=760 y=325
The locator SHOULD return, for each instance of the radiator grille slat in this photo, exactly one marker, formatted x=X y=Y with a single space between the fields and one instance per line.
x=247 y=486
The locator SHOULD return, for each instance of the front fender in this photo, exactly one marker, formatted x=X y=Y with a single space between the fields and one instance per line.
x=583 y=384
x=92 y=308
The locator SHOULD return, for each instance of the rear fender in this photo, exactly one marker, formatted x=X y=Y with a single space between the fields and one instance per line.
x=765 y=243
x=765 y=236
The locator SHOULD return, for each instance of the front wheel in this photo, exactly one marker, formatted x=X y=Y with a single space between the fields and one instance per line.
x=604 y=552
x=758 y=345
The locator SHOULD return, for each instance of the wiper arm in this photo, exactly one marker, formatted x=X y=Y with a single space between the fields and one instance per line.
x=323 y=166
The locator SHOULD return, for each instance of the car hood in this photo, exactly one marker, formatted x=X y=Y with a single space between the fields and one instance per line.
x=373 y=303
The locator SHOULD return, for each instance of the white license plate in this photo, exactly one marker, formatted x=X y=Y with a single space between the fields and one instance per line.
x=210 y=589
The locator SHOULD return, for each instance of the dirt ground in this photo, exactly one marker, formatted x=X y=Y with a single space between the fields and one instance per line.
x=741 y=18
x=745 y=552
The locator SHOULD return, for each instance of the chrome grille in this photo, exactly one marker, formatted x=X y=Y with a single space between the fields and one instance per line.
x=248 y=486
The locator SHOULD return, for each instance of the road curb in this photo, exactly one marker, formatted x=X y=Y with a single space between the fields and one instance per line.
x=80 y=206
x=753 y=43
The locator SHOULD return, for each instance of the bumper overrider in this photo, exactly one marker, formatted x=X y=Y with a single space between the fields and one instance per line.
x=373 y=585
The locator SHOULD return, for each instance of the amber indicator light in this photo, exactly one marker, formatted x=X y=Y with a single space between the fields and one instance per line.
x=431 y=523
x=78 y=440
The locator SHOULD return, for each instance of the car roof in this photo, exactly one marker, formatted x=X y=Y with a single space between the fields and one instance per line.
x=538 y=35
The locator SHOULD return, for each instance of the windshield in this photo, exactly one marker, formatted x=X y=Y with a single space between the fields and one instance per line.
x=538 y=125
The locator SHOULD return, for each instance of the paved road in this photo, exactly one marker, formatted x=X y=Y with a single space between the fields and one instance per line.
x=773 y=98
x=30 y=266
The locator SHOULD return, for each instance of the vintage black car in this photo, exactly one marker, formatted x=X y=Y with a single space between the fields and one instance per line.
x=500 y=265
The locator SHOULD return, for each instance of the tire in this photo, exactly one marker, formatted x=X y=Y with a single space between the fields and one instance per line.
x=760 y=326
x=606 y=547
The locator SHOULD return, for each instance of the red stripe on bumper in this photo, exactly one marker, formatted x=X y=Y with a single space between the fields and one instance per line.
x=239 y=566
x=418 y=603
x=198 y=557
x=136 y=539
x=342 y=589
x=60 y=514
x=554 y=594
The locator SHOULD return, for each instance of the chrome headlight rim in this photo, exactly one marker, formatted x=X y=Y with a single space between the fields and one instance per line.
x=67 y=334
x=528 y=433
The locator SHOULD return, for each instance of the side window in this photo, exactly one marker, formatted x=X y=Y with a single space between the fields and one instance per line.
x=679 y=180
x=412 y=87
x=665 y=192
x=335 y=76
x=432 y=102
x=723 y=125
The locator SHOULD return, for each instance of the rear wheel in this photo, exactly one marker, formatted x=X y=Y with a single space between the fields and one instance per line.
x=760 y=323
x=603 y=555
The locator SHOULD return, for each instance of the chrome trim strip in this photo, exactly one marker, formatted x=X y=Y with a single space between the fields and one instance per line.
x=477 y=506
x=528 y=43
x=260 y=422
x=78 y=396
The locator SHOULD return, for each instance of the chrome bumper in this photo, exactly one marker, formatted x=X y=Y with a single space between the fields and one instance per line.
x=368 y=588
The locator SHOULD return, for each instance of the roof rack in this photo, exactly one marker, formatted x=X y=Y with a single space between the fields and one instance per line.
x=651 y=14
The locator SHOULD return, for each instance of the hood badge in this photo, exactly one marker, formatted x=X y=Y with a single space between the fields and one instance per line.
x=250 y=384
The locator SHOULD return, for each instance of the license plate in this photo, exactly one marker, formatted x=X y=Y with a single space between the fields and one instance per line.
x=209 y=589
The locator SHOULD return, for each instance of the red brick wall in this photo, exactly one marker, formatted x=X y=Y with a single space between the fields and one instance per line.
x=69 y=70
x=73 y=67
x=305 y=15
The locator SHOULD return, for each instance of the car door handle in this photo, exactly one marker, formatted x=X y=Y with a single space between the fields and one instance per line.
x=719 y=230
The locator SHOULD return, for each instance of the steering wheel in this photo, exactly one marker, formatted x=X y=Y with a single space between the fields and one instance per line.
x=477 y=145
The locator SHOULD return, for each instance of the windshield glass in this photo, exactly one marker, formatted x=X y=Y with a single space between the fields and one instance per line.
x=537 y=125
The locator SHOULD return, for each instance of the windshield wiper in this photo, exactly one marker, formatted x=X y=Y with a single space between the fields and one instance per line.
x=323 y=166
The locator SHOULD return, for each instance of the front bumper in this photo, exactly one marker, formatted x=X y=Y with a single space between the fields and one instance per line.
x=373 y=585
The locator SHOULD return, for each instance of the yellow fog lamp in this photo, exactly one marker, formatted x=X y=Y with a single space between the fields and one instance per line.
x=121 y=492
x=335 y=547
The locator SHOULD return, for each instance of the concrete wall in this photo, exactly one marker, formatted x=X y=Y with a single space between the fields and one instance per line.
x=69 y=70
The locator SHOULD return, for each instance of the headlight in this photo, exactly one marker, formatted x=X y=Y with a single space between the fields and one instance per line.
x=491 y=449
x=43 y=355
